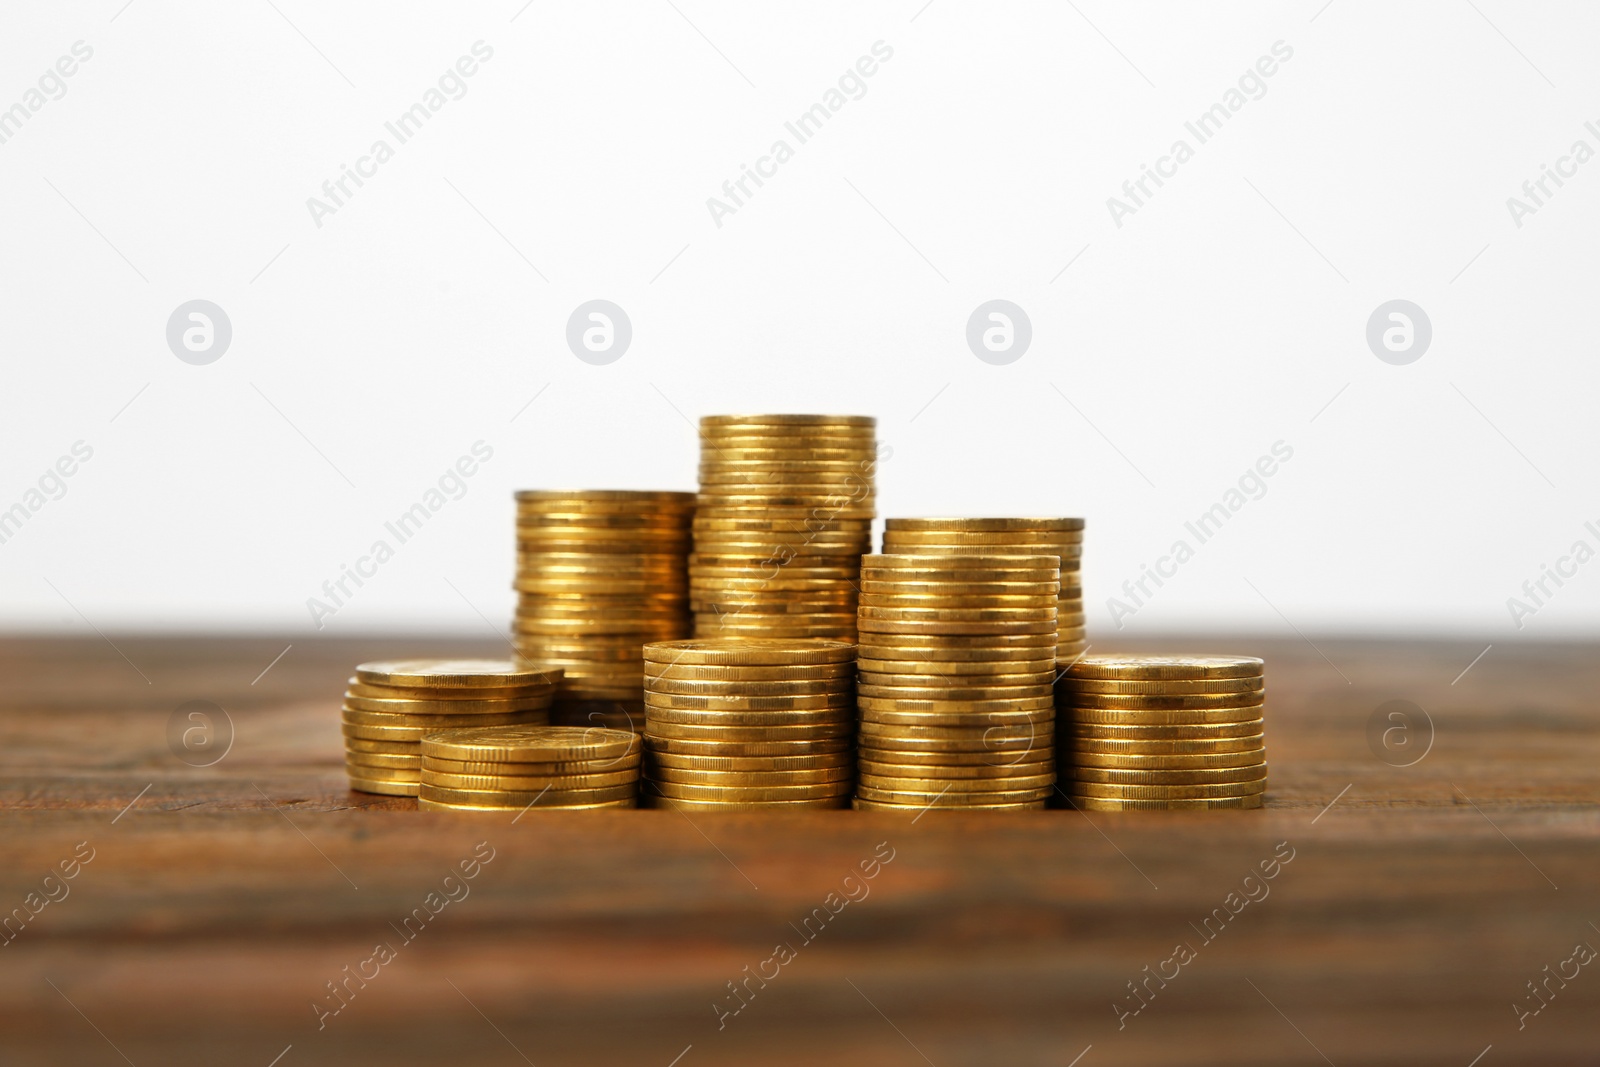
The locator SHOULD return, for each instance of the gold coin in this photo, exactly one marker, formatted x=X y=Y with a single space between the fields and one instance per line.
x=957 y=648
x=871 y=610
x=395 y=748
x=716 y=806
x=1030 y=679
x=682 y=687
x=1186 y=776
x=888 y=602
x=432 y=805
x=1002 y=540
x=956 y=669
x=749 y=653
x=453 y=673
x=387 y=787
x=958 y=589
x=935 y=575
x=394 y=692
x=951 y=566
x=878 y=733
x=444 y=712
x=654 y=728
x=959 y=785
x=825 y=511
x=682 y=791
x=1167 y=761
x=1079 y=748
x=867 y=625
x=1215 y=687
x=1167 y=792
x=872 y=703
x=533 y=798
x=1164 y=667
x=975 y=748
x=643 y=498
x=382 y=772
x=1184 y=731
x=984 y=719
x=1035 y=691
x=1254 y=800
x=810 y=477
x=359 y=717
x=505 y=783
x=745 y=749
x=387 y=732
x=733 y=702
x=700 y=717
x=1092 y=717
x=531 y=769
x=876 y=805
x=837 y=673
x=807 y=423
x=950 y=761
x=670 y=763
x=949 y=771
x=354 y=757
x=747 y=779
x=750 y=625
x=966 y=525
x=1181 y=702
x=952 y=798
x=526 y=744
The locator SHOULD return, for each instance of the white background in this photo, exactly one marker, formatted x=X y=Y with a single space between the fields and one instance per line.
x=1227 y=314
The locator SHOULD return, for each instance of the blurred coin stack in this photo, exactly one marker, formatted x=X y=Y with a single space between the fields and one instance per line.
x=740 y=724
x=956 y=659
x=786 y=507
x=599 y=573
x=1062 y=538
x=391 y=706
x=505 y=768
x=1162 y=732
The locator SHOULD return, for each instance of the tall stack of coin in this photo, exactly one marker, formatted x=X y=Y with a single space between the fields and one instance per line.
x=599 y=573
x=749 y=723
x=391 y=706
x=786 y=508
x=1167 y=732
x=956 y=658
x=1062 y=538
x=504 y=768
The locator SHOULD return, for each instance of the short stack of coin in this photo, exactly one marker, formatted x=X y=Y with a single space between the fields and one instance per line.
x=1162 y=732
x=504 y=768
x=956 y=659
x=599 y=573
x=390 y=706
x=786 y=508
x=1062 y=538
x=741 y=724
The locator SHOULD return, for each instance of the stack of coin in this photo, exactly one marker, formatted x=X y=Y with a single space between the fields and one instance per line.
x=1062 y=538
x=786 y=507
x=599 y=573
x=956 y=658
x=739 y=724
x=391 y=706
x=504 y=768
x=1167 y=732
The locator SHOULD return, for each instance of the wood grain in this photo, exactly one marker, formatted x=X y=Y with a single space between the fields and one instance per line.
x=221 y=901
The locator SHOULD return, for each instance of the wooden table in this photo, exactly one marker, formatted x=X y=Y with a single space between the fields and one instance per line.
x=220 y=902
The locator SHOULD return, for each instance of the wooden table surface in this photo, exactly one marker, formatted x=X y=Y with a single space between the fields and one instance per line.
x=1416 y=905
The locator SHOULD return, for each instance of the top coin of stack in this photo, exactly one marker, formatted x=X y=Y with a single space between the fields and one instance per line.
x=956 y=658
x=749 y=723
x=786 y=507
x=599 y=573
x=1062 y=538
x=390 y=706
x=508 y=767
x=1167 y=732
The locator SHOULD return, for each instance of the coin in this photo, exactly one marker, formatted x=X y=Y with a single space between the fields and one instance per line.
x=1183 y=731
x=1091 y=717
x=1020 y=703
x=439 y=673
x=395 y=692
x=375 y=732
x=867 y=624
x=873 y=805
x=654 y=728
x=1180 y=702
x=1163 y=761
x=746 y=749
x=952 y=566
x=1032 y=691
x=430 y=805
x=442 y=711
x=1030 y=679
x=746 y=779
x=1010 y=784
x=716 y=806
x=1167 y=792
x=572 y=497
x=529 y=743
x=531 y=769
x=1079 y=746
x=1167 y=776
x=683 y=791
x=386 y=786
x=983 y=719
x=1162 y=667
x=791 y=687
x=816 y=702
x=952 y=798
x=372 y=747
x=667 y=762
x=519 y=798
x=697 y=716
x=1169 y=687
x=536 y=783
x=1253 y=800
x=955 y=669
x=748 y=652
